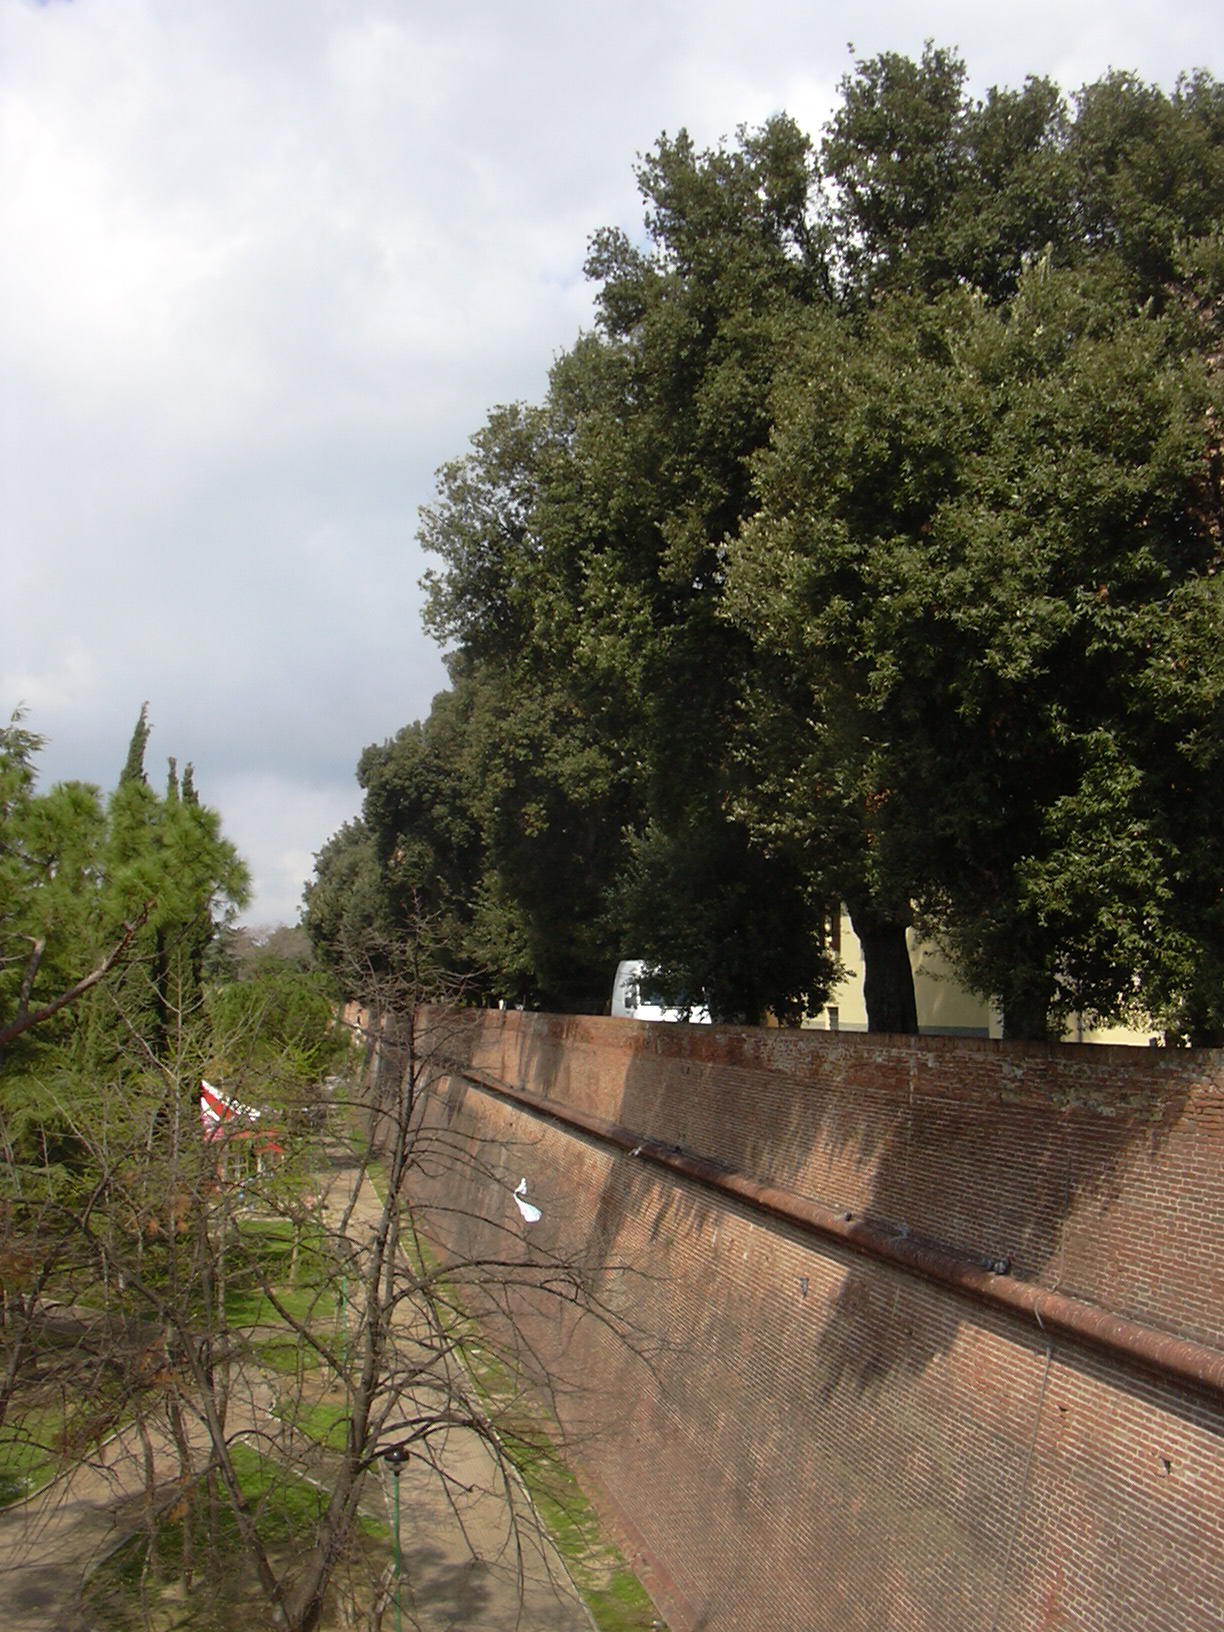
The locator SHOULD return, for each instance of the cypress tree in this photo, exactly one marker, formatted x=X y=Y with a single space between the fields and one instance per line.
x=133 y=769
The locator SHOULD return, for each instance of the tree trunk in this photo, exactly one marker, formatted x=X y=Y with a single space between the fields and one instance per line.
x=187 y=1488
x=888 y=976
x=303 y=1601
x=1203 y=1028
x=1026 y=1009
x=153 y=1561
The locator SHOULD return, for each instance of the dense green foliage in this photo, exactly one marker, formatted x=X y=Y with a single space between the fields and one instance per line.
x=868 y=550
x=276 y=1031
x=121 y=983
x=108 y=908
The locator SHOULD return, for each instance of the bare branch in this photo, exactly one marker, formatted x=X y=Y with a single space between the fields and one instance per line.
x=26 y=1019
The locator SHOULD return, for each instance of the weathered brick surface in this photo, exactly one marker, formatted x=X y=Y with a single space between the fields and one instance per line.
x=795 y=1436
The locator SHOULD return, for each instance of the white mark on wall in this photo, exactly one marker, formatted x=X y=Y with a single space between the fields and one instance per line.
x=530 y=1214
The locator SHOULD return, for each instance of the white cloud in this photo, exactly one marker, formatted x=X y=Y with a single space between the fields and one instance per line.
x=271 y=820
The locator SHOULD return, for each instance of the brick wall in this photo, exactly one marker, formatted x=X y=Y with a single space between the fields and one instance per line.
x=788 y=1434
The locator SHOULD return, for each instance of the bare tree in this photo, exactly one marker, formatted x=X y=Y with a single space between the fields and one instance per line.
x=194 y=1332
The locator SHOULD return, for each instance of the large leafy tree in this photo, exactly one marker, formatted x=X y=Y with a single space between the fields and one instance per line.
x=983 y=546
x=994 y=465
x=1096 y=533
x=344 y=904
x=582 y=565
x=866 y=550
x=1148 y=177
x=931 y=189
x=533 y=749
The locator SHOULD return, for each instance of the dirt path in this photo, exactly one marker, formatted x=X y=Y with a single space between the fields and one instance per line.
x=466 y=1562
x=49 y=1544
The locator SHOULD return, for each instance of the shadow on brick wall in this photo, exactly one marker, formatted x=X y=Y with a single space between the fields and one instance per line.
x=1047 y=1159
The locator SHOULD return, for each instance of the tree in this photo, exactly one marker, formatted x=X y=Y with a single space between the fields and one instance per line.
x=279 y=1028
x=974 y=529
x=420 y=811
x=730 y=924
x=383 y=1341
x=581 y=545
x=932 y=190
x=821 y=566
x=48 y=844
x=344 y=908
x=241 y=951
x=952 y=704
x=1149 y=175
x=1116 y=550
x=101 y=904
x=134 y=766
x=104 y=909
x=871 y=419
x=536 y=746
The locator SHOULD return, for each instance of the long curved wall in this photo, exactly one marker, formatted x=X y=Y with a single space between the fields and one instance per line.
x=842 y=1408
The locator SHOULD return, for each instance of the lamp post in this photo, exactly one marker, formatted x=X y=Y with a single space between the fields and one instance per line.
x=396 y=1456
x=344 y=1324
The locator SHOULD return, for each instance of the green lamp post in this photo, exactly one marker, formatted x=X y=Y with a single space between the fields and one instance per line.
x=396 y=1456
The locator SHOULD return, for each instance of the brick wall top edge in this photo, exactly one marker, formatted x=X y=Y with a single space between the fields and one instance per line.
x=1102 y=1078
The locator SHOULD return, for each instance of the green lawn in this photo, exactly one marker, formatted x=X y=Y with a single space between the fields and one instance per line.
x=140 y=1587
x=27 y=1457
x=33 y=1439
x=324 y=1422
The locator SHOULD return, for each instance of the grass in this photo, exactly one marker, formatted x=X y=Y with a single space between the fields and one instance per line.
x=42 y=1438
x=264 y=1254
x=33 y=1441
x=610 y=1590
x=288 y=1509
x=139 y=1585
x=615 y=1597
x=324 y=1422
x=27 y=1459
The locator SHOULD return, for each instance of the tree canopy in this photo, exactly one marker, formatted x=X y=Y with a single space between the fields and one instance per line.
x=867 y=550
x=125 y=889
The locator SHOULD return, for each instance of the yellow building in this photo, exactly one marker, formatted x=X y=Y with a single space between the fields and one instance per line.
x=944 y=1005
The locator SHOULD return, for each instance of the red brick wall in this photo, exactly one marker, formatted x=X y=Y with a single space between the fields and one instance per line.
x=791 y=1435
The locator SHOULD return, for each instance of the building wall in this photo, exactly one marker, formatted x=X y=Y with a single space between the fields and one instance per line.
x=945 y=1005
x=786 y=1433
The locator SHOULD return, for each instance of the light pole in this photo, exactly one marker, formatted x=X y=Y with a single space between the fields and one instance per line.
x=396 y=1456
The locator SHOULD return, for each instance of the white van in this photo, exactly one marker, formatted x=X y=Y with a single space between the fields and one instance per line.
x=632 y=998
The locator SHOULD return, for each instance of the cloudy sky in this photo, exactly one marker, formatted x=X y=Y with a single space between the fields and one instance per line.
x=267 y=263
